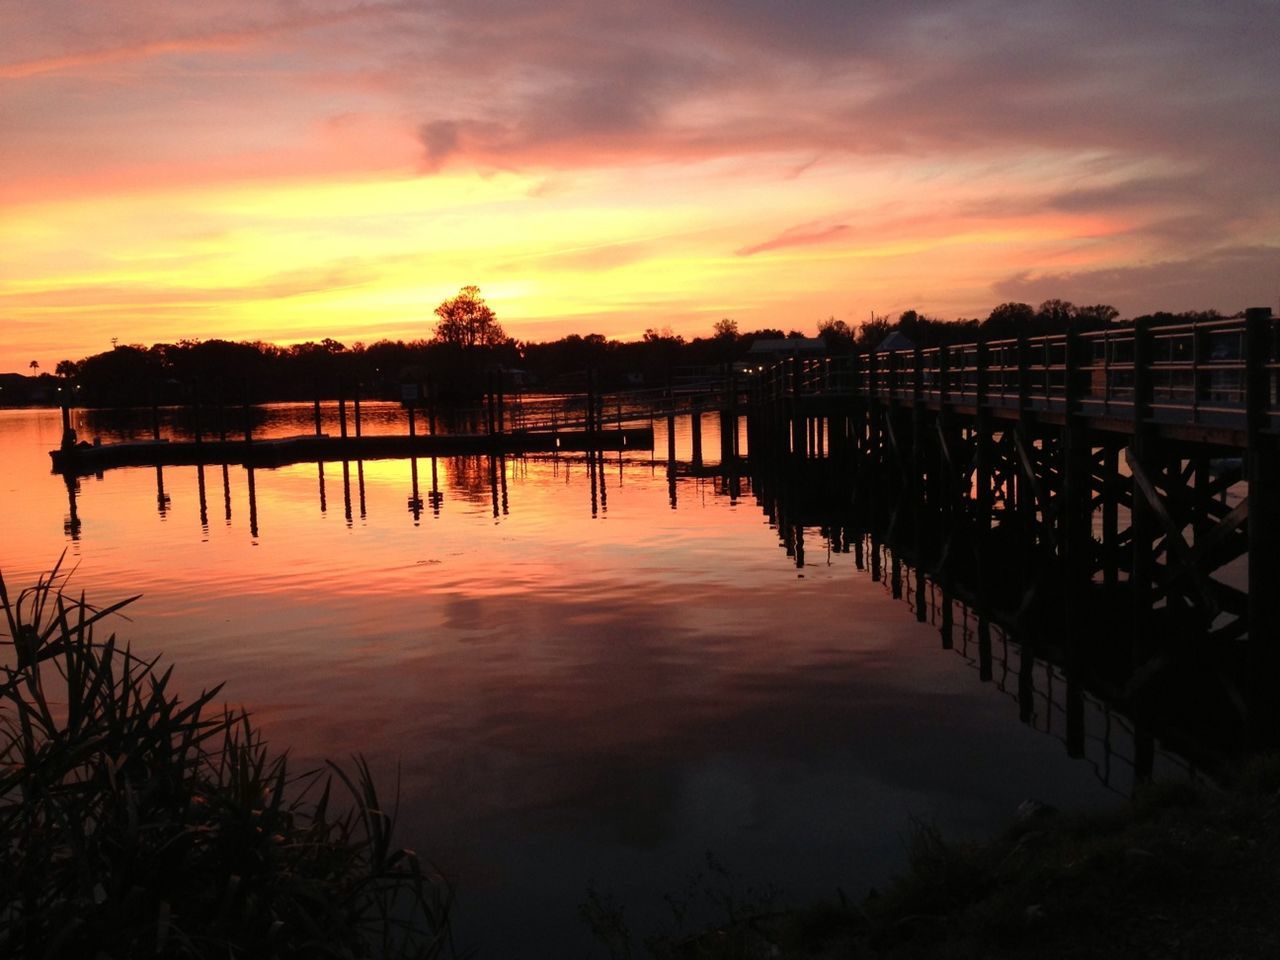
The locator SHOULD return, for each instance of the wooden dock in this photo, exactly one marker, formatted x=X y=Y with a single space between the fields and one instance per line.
x=1137 y=463
x=84 y=458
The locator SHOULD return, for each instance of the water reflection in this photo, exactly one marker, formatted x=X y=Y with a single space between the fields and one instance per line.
x=204 y=502
x=569 y=698
x=346 y=491
x=415 y=499
x=253 y=503
x=162 y=499
x=799 y=520
x=1049 y=697
x=71 y=524
x=1174 y=698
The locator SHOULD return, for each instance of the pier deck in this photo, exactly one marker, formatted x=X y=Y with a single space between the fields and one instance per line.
x=84 y=459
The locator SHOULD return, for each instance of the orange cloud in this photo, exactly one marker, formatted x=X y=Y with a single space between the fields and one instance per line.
x=806 y=235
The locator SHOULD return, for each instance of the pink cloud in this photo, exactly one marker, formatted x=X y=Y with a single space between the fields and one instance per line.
x=806 y=235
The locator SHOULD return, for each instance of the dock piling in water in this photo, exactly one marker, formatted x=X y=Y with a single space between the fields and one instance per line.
x=248 y=412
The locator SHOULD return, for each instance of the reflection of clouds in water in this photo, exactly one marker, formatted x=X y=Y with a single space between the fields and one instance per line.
x=564 y=698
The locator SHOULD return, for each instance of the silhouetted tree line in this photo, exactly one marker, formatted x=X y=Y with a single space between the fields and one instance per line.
x=1007 y=321
x=469 y=346
x=212 y=369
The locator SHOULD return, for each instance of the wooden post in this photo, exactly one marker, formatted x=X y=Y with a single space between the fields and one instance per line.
x=1263 y=470
x=798 y=436
x=155 y=412
x=355 y=403
x=982 y=443
x=162 y=498
x=253 y=502
x=68 y=435
x=412 y=431
x=490 y=406
x=1076 y=539
x=220 y=405
x=429 y=388
x=415 y=500
x=316 y=410
x=502 y=402
x=733 y=413
x=248 y=416
x=695 y=433
x=1142 y=521
x=1024 y=372
x=591 y=400
x=346 y=490
x=1025 y=502
x=342 y=413
x=944 y=375
x=916 y=484
x=985 y=503
x=197 y=424
x=728 y=436
x=203 y=497
x=595 y=489
x=502 y=483
x=1110 y=517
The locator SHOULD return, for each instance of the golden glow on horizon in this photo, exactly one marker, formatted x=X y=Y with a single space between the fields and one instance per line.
x=363 y=259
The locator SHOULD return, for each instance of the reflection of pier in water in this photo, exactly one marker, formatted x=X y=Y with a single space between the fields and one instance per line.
x=1049 y=695
x=1108 y=497
x=479 y=468
x=1090 y=728
x=1128 y=721
x=474 y=478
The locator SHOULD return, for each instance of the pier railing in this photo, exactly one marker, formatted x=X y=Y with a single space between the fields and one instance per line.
x=1216 y=373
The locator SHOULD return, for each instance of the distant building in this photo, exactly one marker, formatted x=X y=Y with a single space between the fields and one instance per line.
x=896 y=340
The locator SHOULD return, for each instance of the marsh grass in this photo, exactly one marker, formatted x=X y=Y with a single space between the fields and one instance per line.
x=133 y=823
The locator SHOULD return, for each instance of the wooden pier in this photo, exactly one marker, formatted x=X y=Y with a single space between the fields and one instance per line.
x=1134 y=469
x=84 y=459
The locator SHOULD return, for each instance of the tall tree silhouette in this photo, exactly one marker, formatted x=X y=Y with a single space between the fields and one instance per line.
x=467 y=321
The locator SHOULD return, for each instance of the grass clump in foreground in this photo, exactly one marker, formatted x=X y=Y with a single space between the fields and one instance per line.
x=1184 y=871
x=133 y=824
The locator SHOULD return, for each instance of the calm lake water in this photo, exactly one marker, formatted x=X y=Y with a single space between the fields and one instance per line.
x=591 y=688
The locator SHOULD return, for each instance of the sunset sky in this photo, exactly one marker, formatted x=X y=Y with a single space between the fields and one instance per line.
x=303 y=169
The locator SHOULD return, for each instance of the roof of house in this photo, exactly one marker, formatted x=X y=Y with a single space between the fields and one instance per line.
x=896 y=340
